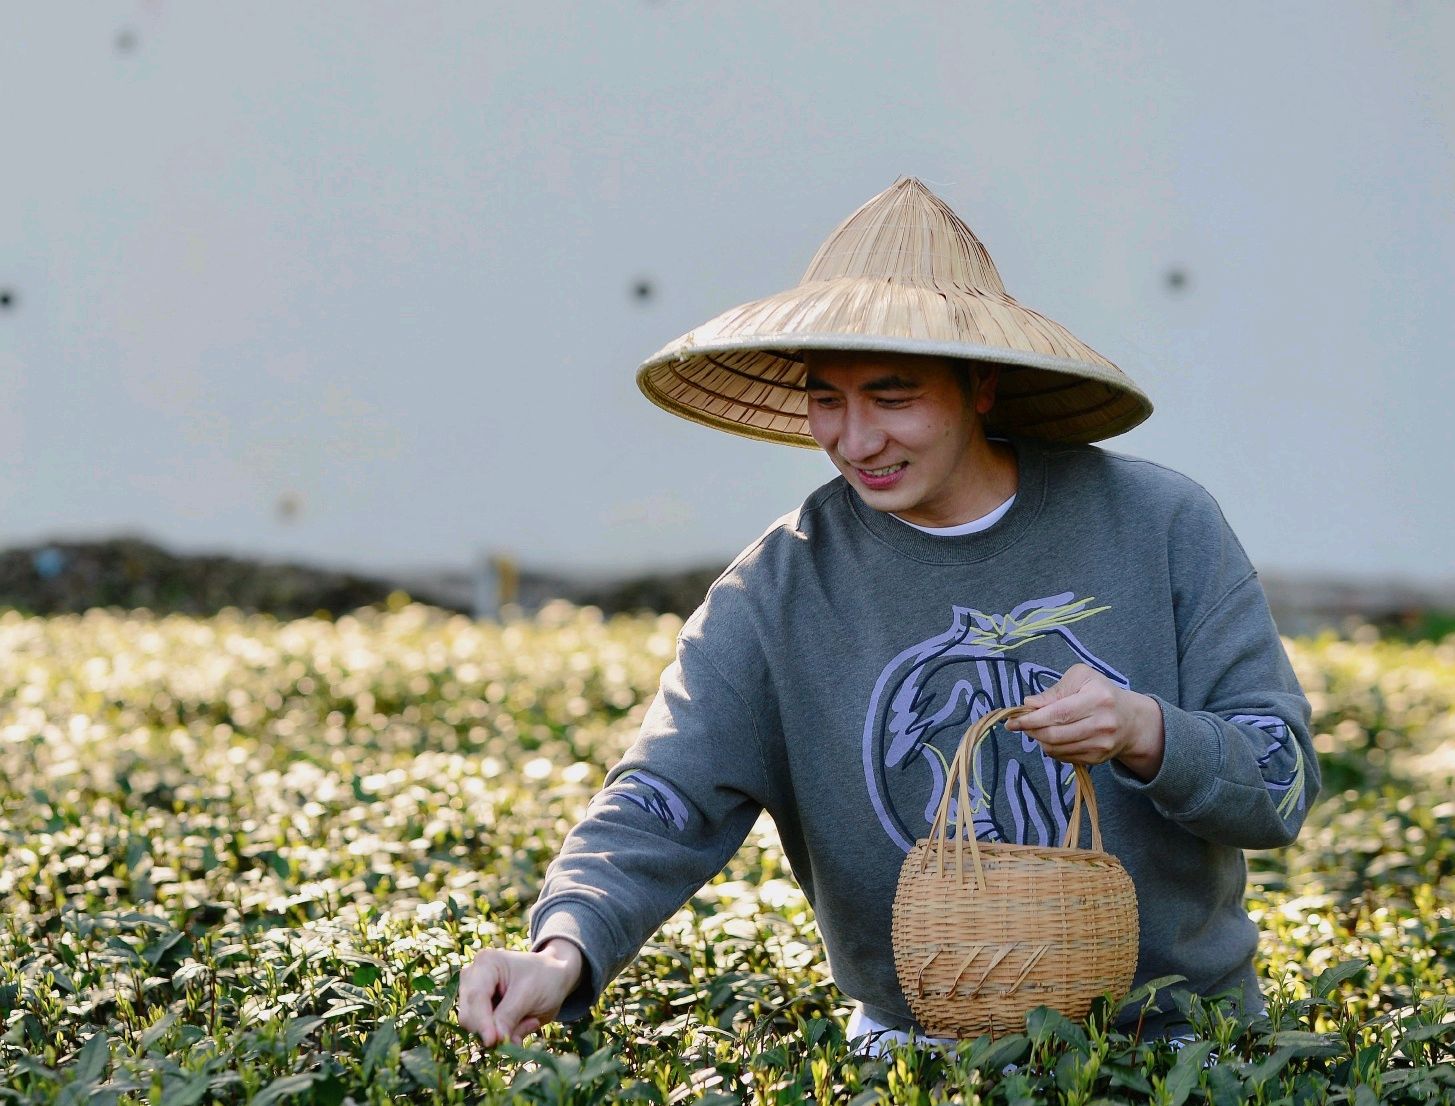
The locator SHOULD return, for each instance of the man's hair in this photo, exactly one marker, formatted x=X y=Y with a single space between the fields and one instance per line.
x=968 y=374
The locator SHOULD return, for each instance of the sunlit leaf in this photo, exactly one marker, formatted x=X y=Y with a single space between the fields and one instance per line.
x=1329 y=979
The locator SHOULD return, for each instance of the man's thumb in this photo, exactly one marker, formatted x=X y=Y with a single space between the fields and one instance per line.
x=1041 y=698
x=1069 y=682
x=525 y=1029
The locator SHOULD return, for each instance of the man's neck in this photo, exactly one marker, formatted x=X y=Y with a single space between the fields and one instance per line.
x=1002 y=477
x=991 y=476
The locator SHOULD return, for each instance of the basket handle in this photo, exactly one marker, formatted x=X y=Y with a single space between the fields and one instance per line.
x=957 y=784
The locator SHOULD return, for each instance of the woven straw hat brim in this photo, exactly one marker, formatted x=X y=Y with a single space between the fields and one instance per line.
x=743 y=371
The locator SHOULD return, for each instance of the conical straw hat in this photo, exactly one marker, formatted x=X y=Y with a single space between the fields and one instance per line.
x=902 y=274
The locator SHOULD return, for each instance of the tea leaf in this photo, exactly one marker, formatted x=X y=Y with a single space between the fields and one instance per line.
x=381 y=1041
x=422 y=1066
x=1329 y=979
x=92 y=1060
x=184 y=1091
x=1182 y=1080
x=286 y=1087
x=1301 y=1043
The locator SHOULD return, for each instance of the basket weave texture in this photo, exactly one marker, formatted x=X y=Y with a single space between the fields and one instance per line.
x=985 y=934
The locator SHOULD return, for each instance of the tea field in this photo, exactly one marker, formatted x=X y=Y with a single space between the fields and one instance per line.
x=242 y=860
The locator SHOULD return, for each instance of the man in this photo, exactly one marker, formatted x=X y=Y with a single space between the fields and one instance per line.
x=974 y=553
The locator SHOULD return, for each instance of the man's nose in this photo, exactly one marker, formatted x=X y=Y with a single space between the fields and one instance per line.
x=861 y=437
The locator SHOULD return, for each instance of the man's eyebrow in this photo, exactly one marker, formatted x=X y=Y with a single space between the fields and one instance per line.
x=891 y=383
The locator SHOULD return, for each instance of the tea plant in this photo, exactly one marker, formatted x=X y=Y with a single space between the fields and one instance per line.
x=242 y=860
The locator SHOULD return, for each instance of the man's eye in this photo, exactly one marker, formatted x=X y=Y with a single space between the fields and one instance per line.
x=893 y=402
x=823 y=401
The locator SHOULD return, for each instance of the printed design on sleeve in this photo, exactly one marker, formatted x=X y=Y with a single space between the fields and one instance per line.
x=1281 y=761
x=654 y=796
x=928 y=695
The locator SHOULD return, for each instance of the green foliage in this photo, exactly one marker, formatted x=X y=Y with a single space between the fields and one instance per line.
x=243 y=860
x=1424 y=624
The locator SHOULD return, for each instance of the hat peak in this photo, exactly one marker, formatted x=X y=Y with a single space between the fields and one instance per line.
x=909 y=235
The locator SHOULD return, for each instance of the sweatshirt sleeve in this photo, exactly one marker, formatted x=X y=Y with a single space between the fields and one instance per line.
x=1238 y=765
x=669 y=816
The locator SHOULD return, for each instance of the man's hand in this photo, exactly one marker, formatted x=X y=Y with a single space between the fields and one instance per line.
x=506 y=995
x=1087 y=719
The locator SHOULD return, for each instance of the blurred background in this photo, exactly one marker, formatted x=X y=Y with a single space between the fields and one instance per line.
x=361 y=289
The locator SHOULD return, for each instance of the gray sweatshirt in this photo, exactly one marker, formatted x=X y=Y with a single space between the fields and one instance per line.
x=835 y=665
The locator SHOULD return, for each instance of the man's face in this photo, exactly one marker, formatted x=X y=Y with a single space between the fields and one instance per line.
x=904 y=431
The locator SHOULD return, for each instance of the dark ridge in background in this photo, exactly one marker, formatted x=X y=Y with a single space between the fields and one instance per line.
x=131 y=573
x=677 y=593
x=70 y=577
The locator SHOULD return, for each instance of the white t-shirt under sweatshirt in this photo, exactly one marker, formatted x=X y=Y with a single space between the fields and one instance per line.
x=974 y=526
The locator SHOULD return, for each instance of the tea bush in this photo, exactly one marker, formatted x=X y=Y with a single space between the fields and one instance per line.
x=244 y=860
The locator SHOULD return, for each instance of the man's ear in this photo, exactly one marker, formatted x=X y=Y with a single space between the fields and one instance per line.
x=987 y=378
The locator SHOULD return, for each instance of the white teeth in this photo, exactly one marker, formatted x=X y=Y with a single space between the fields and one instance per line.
x=884 y=471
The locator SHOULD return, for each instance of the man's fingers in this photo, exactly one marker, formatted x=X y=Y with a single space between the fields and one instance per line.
x=524 y=1000
x=1081 y=752
x=1076 y=720
x=1081 y=694
x=505 y=995
x=1084 y=740
x=508 y=1012
x=1071 y=681
x=479 y=981
x=1061 y=697
x=1064 y=741
x=525 y=1029
x=1061 y=712
x=1059 y=733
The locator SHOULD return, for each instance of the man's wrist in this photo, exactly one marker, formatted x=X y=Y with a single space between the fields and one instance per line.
x=567 y=956
x=1143 y=756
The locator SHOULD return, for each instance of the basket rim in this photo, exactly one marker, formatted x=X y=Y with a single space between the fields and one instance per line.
x=1009 y=848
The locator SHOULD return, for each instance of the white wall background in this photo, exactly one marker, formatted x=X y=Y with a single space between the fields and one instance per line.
x=380 y=257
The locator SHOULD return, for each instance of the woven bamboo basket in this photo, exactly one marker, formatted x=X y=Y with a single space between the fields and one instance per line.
x=979 y=944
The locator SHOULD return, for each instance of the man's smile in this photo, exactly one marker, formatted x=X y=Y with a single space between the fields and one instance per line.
x=881 y=479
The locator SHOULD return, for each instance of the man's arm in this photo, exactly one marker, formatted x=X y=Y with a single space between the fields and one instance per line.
x=1233 y=763
x=670 y=815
